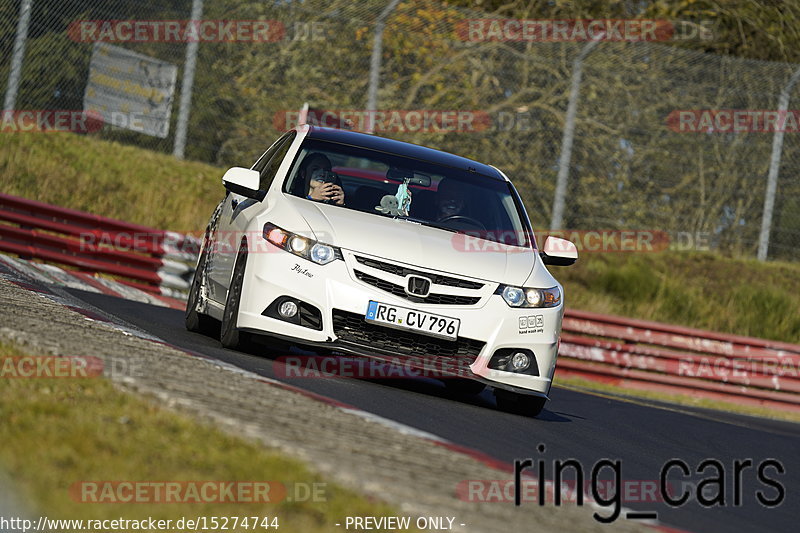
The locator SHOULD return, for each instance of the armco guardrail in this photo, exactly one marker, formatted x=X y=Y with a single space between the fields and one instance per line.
x=645 y=355
x=153 y=260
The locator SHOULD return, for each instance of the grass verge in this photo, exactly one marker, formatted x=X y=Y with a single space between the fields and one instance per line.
x=696 y=289
x=110 y=179
x=56 y=432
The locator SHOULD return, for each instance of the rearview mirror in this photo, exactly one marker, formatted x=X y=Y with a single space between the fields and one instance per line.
x=559 y=252
x=400 y=174
x=242 y=181
x=421 y=179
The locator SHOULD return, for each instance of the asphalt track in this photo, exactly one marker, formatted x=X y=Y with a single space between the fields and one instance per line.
x=574 y=425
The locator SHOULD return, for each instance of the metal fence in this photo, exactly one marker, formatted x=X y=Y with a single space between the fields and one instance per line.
x=518 y=104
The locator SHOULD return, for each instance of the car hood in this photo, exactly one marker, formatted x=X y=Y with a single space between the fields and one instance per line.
x=415 y=244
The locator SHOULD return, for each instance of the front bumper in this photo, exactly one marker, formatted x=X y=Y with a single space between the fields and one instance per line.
x=342 y=296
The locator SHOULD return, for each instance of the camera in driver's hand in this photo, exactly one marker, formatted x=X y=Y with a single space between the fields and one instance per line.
x=325 y=176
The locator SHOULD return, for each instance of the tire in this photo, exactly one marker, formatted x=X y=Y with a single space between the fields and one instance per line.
x=462 y=386
x=229 y=335
x=519 y=404
x=194 y=320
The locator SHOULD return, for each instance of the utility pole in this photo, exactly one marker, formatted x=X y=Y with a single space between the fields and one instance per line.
x=375 y=64
x=774 y=167
x=186 y=85
x=15 y=72
x=565 y=158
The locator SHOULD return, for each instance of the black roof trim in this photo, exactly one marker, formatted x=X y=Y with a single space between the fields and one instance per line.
x=382 y=144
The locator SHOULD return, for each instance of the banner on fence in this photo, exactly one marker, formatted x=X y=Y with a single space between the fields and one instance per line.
x=130 y=90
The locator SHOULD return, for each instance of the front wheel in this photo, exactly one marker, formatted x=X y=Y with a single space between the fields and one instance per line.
x=230 y=336
x=194 y=320
x=520 y=404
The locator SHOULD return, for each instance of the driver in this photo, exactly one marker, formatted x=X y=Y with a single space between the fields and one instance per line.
x=451 y=200
x=311 y=172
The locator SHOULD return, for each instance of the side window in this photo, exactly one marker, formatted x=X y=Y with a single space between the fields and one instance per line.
x=264 y=159
x=270 y=162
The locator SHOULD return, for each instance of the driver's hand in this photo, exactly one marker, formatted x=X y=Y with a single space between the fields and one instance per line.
x=328 y=191
x=335 y=194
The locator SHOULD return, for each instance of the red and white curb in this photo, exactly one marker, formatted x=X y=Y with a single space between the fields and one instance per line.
x=53 y=275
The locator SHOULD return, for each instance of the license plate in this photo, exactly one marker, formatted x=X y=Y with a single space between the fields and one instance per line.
x=413 y=320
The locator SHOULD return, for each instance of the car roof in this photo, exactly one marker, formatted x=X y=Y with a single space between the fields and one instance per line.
x=382 y=144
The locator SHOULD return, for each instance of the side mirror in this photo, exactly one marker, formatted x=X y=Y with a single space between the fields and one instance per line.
x=559 y=252
x=242 y=181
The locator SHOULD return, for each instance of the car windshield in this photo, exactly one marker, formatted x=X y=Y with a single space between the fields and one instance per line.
x=392 y=185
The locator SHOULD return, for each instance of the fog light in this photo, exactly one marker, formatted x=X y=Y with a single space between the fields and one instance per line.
x=287 y=309
x=520 y=361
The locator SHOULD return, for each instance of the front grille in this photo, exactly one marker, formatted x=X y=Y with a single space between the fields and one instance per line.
x=402 y=271
x=351 y=327
x=399 y=290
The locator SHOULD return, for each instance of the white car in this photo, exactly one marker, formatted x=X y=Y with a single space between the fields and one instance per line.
x=355 y=244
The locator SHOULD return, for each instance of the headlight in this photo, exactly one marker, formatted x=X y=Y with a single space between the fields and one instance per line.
x=530 y=297
x=514 y=296
x=322 y=254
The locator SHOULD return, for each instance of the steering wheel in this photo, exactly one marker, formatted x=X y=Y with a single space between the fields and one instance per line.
x=462 y=218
